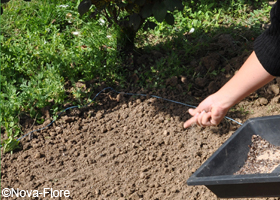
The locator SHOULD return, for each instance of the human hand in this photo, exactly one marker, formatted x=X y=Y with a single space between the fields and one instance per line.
x=250 y=77
x=209 y=112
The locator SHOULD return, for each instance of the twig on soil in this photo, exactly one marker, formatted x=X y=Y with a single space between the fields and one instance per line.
x=31 y=134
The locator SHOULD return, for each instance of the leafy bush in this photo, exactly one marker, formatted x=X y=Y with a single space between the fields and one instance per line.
x=130 y=15
x=6 y=1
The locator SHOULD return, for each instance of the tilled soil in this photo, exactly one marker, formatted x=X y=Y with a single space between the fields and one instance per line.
x=132 y=149
x=129 y=147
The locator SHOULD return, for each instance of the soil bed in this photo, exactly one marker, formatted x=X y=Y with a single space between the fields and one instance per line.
x=132 y=148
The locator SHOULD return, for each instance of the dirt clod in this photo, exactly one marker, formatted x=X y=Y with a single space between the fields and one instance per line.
x=211 y=62
x=262 y=101
x=165 y=133
x=273 y=89
x=200 y=82
x=172 y=81
x=38 y=155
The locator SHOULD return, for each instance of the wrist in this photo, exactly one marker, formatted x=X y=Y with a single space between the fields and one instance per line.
x=224 y=100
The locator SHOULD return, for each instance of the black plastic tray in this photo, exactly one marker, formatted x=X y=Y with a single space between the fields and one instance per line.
x=217 y=172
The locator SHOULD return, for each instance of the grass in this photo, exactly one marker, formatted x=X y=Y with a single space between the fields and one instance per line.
x=45 y=45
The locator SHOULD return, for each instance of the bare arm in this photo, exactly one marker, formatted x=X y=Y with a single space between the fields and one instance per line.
x=249 y=78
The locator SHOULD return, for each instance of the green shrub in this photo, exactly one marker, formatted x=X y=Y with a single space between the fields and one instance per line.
x=129 y=16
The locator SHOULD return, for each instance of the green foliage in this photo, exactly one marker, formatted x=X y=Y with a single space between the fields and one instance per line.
x=43 y=45
x=6 y=1
x=130 y=15
x=10 y=145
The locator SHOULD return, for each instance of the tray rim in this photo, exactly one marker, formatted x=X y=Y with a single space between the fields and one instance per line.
x=233 y=179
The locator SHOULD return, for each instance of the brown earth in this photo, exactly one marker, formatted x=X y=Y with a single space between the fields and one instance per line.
x=128 y=147
x=132 y=149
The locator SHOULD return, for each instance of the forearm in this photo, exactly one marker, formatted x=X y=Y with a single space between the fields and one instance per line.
x=248 y=79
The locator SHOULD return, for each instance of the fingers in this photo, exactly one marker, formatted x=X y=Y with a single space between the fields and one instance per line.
x=191 y=121
x=201 y=119
x=204 y=119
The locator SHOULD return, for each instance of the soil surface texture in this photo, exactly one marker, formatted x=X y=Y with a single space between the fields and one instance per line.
x=125 y=147
x=131 y=149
